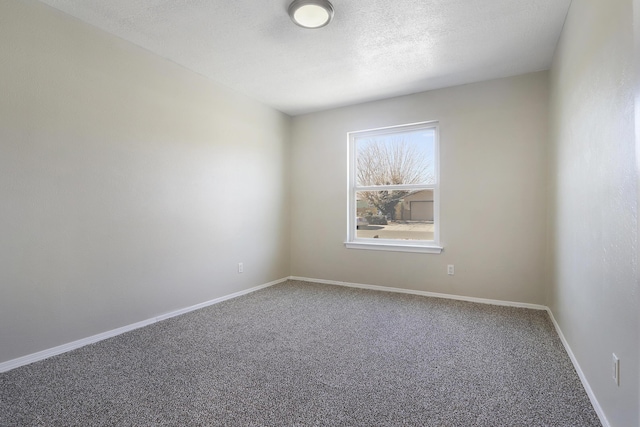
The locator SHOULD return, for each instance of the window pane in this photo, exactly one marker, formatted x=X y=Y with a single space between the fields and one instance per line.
x=397 y=215
x=399 y=158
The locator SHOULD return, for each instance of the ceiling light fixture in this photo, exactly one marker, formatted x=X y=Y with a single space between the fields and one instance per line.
x=311 y=13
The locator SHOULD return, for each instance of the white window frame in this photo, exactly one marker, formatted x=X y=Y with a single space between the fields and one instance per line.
x=422 y=246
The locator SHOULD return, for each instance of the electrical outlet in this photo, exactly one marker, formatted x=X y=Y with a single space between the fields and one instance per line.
x=450 y=270
x=615 y=362
x=240 y=267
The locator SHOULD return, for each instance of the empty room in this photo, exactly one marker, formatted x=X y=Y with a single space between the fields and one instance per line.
x=319 y=213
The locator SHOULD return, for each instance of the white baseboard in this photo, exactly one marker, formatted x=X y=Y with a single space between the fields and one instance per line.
x=217 y=300
x=41 y=355
x=576 y=365
x=34 y=357
x=423 y=293
x=583 y=378
x=44 y=354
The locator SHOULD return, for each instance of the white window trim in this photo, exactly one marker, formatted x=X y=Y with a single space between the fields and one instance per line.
x=419 y=246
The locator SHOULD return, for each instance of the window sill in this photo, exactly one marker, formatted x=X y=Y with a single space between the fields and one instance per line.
x=394 y=247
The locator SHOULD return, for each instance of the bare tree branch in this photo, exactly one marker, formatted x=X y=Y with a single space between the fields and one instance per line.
x=390 y=162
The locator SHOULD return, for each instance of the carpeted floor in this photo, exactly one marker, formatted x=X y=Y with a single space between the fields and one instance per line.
x=301 y=354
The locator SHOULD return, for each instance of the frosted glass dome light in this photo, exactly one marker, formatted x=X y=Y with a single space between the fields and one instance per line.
x=311 y=13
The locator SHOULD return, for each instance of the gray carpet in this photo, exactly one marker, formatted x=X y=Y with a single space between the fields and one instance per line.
x=301 y=354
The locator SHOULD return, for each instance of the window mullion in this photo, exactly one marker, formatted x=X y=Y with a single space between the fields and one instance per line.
x=395 y=187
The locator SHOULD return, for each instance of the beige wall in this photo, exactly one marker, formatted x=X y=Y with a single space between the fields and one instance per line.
x=593 y=199
x=636 y=32
x=493 y=176
x=116 y=172
x=117 y=169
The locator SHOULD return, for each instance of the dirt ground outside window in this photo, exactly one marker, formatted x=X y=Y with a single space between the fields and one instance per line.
x=399 y=230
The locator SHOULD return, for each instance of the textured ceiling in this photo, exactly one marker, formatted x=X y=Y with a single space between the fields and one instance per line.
x=372 y=49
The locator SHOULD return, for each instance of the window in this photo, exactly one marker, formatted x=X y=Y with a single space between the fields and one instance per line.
x=393 y=189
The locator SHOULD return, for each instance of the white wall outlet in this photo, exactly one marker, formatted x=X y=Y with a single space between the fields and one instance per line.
x=450 y=270
x=615 y=362
x=240 y=267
